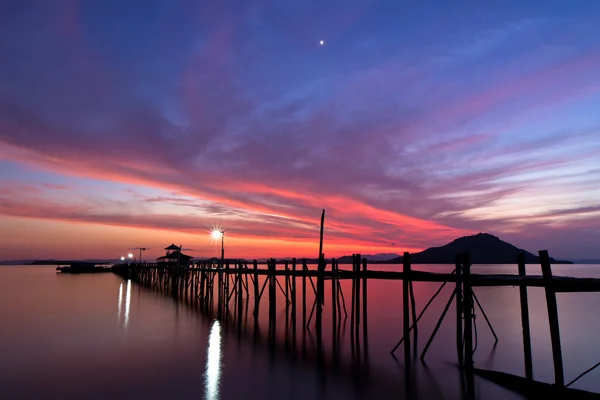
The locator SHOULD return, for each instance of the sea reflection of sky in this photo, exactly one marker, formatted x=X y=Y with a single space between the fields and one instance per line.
x=213 y=363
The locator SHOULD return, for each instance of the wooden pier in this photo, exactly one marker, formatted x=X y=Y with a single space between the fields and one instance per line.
x=224 y=285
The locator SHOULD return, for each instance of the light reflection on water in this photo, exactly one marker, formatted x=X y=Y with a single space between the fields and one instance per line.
x=213 y=362
x=127 y=303
x=120 y=301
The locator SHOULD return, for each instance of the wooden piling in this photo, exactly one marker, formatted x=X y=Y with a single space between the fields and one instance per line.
x=405 y=307
x=559 y=378
x=468 y=310
x=321 y=234
x=219 y=285
x=364 y=320
x=240 y=294
x=256 y=296
x=293 y=294
x=353 y=300
x=459 y=306
x=357 y=274
x=272 y=299
x=415 y=319
x=226 y=289
x=304 y=269
x=525 y=320
x=333 y=302
x=319 y=299
x=287 y=286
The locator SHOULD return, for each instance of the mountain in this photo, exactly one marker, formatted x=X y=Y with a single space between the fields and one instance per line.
x=381 y=257
x=483 y=249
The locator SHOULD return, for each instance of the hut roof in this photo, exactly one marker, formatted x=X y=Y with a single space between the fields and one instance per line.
x=172 y=247
x=175 y=254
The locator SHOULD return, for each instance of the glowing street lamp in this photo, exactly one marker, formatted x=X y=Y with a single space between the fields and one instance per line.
x=217 y=234
x=122 y=258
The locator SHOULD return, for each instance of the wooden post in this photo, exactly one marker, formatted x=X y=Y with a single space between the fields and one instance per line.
x=202 y=279
x=525 y=320
x=459 y=306
x=272 y=298
x=304 y=271
x=256 y=295
x=321 y=235
x=239 y=295
x=559 y=378
x=293 y=292
x=333 y=302
x=415 y=319
x=319 y=300
x=357 y=297
x=219 y=285
x=287 y=285
x=174 y=280
x=227 y=276
x=287 y=305
x=467 y=310
x=364 y=320
x=405 y=310
x=353 y=300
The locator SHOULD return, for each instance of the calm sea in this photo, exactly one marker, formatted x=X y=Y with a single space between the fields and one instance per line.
x=98 y=336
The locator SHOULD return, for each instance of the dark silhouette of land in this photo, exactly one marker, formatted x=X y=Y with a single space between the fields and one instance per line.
x=483 y=249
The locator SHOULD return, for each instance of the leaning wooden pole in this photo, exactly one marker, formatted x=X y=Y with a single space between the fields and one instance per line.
x=525 y=320
x=321 y=235
x=559 y=378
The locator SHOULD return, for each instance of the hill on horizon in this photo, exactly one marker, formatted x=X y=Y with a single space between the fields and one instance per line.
x=483 y=248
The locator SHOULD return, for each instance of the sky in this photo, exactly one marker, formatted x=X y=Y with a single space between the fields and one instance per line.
x=130 y=124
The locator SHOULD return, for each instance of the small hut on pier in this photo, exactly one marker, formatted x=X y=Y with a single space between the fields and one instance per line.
x=173 y=257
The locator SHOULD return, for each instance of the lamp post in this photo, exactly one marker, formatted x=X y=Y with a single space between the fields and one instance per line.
x=216 y=235
x=130 y=256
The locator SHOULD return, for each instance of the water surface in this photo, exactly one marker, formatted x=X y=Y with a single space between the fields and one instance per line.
x=98 y=336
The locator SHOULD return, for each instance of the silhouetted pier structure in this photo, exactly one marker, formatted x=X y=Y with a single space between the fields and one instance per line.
x=235 y=285
x=228 y=285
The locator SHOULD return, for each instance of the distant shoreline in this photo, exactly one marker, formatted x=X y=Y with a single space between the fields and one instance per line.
x=484 y=249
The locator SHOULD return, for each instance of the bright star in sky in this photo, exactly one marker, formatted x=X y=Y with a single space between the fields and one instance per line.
x=321 y=42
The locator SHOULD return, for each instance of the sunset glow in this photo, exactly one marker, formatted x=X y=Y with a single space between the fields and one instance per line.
x=412 y=126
